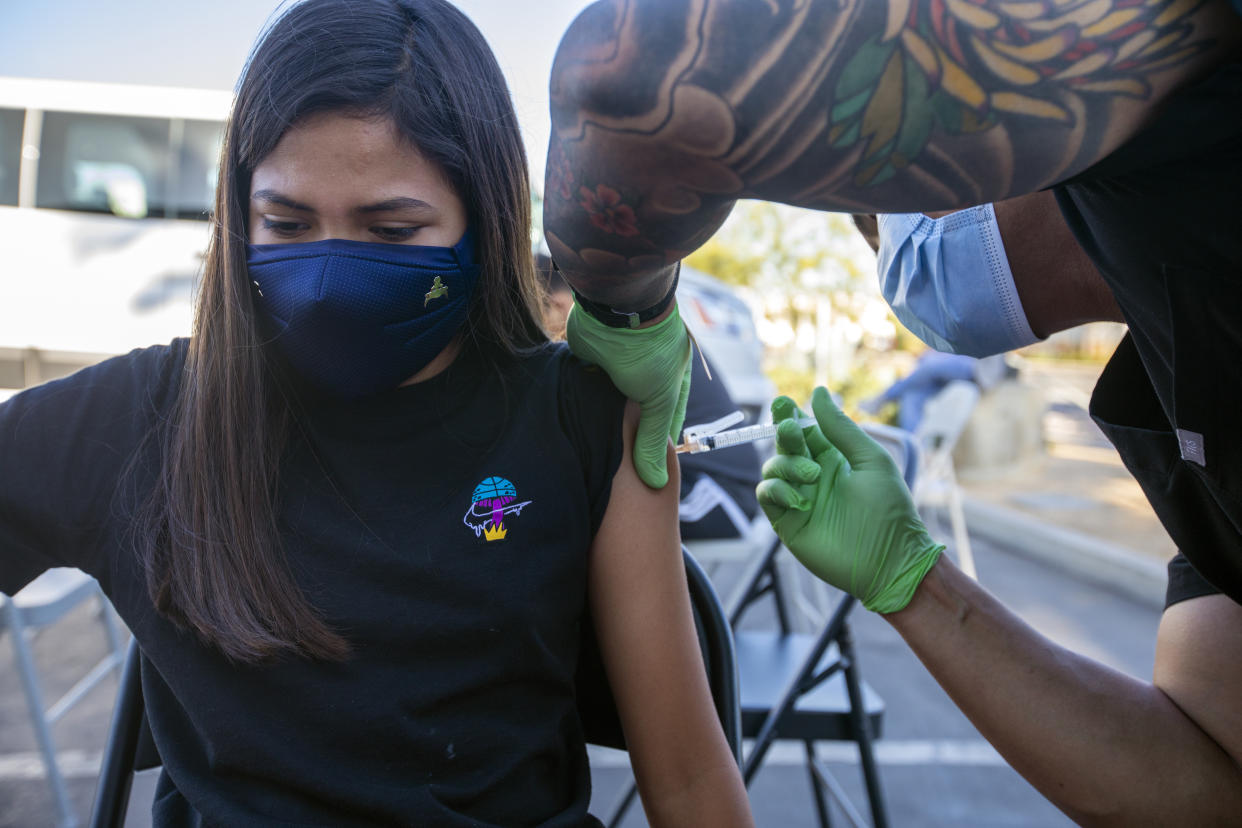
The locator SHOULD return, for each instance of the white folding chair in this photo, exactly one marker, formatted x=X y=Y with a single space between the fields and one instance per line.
x=43 y=602
x=944 y=418
x=705 y=496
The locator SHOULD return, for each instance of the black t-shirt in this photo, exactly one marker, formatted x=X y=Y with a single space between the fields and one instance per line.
x=457 y=705
x=1161 y=220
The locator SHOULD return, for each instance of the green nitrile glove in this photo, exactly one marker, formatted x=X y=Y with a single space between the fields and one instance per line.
x=650 y=366
x=837 y=501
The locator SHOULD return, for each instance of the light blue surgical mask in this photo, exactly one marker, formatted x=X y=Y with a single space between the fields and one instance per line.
x=948 y=281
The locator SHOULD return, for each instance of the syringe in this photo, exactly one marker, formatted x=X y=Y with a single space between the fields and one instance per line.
x=699 y=443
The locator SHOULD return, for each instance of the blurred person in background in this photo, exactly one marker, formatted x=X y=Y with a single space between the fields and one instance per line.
x=717 y=494
x=931 y=374
x=364 y=519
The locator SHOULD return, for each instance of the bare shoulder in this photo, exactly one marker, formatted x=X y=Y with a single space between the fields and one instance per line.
x=1199 y=666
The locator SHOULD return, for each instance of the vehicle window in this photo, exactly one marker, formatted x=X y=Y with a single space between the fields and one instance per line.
x=11 y=123
x=197 y=169
x=103 y=164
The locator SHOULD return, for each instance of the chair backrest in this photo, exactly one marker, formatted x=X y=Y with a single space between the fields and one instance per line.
x=946 y=414
x=130 y=747
x=596 y=706
x=120 y=759
x=901 y=446
x=50 y=596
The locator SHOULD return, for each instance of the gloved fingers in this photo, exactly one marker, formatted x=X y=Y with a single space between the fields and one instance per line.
x=801 y=470
x=783 y=408
x=679 y=413
x=579 y=327
x=816 y=442
x=651 y=444
x=777 y=497
x=772 y=512
x=859 y=450
x=790 y=440
x=650 y=365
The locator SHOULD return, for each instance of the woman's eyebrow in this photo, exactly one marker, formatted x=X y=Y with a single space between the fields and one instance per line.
x=398 y=203
x=273 y=197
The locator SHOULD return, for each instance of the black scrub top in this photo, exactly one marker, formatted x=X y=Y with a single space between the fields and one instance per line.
x=1160 y=219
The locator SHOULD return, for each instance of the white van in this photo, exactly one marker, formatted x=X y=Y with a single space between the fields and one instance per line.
x=104 y=194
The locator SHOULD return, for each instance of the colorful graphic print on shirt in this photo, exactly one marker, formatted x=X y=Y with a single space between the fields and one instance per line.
x=492 y=500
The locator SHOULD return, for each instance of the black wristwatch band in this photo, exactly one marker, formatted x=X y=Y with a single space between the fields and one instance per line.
x=614 y=318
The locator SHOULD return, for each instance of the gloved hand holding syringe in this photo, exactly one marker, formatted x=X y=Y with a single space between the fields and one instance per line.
x=712 y=436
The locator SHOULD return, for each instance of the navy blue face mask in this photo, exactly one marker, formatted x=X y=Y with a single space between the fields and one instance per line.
x=358 y=318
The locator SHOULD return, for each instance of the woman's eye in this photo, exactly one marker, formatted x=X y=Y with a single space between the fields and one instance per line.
x=394 y=234
x=284 y=228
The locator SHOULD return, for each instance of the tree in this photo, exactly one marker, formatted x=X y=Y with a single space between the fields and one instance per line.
x=772 y=247
x=809 y=278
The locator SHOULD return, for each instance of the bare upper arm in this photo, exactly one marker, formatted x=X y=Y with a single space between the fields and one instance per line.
x=1199 y=666
x=641 y=607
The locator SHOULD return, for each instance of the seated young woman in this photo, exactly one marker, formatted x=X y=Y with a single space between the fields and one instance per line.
x=357 y=519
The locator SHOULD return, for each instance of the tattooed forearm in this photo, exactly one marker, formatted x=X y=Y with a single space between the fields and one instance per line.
x=665 y=112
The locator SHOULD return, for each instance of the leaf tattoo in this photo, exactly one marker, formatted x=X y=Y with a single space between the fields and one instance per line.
x=959 y=64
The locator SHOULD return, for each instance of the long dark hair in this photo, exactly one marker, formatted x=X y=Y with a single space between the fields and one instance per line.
x=208 y=535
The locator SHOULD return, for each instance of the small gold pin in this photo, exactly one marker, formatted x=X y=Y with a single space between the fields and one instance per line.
x=438 y=289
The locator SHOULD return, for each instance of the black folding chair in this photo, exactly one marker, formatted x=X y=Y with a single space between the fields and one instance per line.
x=809 y=687
x=130 y=748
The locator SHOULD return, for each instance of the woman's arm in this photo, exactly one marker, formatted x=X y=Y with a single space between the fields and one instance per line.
x=65 y=449
x=643 y=621
x=665 y=112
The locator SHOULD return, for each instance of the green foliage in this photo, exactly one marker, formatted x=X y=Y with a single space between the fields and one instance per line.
x=780 y=249
x=798 y=263
x=727 y=264
x=797 y=384
x=792 y=382
x=860 y=384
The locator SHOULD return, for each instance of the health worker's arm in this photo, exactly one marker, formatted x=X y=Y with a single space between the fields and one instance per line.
x=1105 y=748
x=665 y=112
x=640 y=602
x=66 y=449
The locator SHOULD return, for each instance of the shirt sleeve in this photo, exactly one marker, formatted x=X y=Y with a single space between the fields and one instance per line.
x=1185 y=582
x=65 y=450
x=592 y=411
